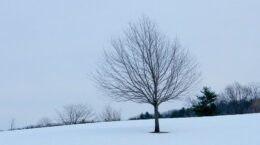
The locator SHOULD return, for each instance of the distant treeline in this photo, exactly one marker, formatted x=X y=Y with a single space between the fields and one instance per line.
x=235 y=99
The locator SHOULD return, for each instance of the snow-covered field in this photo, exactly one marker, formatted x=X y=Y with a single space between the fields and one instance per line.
x=222 y=130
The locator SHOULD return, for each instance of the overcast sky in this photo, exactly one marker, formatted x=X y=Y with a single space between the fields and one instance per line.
x=49 y=49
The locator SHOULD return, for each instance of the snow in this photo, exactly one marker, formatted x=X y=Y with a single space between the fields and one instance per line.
x=220 y=130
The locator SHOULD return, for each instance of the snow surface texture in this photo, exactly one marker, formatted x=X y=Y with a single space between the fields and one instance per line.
x=221 y=130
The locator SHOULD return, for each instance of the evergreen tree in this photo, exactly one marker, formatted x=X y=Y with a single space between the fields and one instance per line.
x=142 y=116
x=148 y=115
x=206 y=103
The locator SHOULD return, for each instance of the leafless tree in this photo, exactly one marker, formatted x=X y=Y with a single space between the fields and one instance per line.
x=237 y=99
x=110 y=114
x=12 y=124
x=238 y=92
x=75 y=113
x=44 y=122
x=144 y=66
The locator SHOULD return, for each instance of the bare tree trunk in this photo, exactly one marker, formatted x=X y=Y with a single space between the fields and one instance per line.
x=12 y=124
x=156 y=119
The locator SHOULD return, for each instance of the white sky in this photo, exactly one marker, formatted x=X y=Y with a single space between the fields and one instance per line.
x=50 y=48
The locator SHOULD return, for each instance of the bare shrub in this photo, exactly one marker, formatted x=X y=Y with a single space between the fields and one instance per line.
x=110 y=114
x=75 y=113
x=44 y=122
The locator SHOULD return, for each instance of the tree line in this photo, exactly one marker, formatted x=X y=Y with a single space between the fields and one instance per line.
x=235 y=99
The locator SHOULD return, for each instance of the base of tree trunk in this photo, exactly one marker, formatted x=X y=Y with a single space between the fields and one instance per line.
x=160 y=132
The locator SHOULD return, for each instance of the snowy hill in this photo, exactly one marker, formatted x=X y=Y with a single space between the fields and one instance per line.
x=221 y=130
